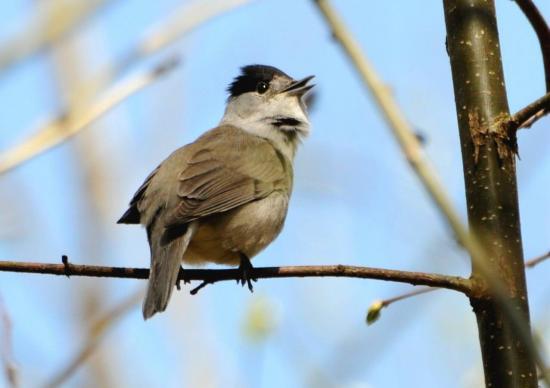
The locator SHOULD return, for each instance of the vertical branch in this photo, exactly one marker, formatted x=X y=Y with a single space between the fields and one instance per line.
x=412 y=150
x=491 y=191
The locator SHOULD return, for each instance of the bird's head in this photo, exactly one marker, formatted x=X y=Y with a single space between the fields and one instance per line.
x=263 y=99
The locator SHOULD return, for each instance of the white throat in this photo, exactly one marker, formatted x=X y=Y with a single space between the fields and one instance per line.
x=272 y=123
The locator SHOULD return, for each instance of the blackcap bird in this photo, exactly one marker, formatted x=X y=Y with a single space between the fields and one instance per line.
x=224 y=197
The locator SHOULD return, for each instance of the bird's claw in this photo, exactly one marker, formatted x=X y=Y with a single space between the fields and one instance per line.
x=245 y=268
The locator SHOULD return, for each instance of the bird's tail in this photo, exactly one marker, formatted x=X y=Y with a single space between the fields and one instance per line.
x=166 y=255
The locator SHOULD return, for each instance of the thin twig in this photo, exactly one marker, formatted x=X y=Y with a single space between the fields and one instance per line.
x=96 y=333
x=543 y=33
x=537 y=260
x=412 y=150
x=421 y=290
x=375 y=309
x=65 y=127
x=527 y=116
x=215 y=275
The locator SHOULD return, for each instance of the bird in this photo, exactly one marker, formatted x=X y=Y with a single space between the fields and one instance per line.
x=224 y=197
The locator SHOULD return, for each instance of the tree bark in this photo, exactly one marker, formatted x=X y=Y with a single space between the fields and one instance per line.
x=488 y=156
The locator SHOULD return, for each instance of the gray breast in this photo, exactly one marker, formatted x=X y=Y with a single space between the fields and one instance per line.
x=247 y=229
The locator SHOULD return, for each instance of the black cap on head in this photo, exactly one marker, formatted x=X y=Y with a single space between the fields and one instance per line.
x=250 y=76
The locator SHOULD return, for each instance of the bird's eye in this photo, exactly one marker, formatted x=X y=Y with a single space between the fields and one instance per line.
x=262 y=87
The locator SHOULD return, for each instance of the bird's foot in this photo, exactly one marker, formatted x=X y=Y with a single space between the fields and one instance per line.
x=181 y=277
x=245 y=268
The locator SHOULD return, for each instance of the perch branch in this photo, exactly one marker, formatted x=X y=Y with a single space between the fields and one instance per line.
x=216 y=275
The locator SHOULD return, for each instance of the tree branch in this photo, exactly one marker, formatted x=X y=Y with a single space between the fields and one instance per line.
x=376 y=307
x=527 y=116
x=215 y=275
x=488 y=159
x=410 y=147
x=542 y=30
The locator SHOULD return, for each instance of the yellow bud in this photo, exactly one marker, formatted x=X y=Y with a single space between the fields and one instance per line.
x=374 y=312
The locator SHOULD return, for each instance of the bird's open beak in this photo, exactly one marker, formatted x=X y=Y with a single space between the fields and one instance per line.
x=299 y=88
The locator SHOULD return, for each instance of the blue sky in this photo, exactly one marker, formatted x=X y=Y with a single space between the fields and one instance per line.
x=355 y=202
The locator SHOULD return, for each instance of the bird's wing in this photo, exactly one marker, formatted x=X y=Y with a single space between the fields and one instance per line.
x=227 y=168
x=132 y=215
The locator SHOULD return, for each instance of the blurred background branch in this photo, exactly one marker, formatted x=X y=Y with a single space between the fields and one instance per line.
x=8 y=362
x=96 y=333
x=50 y=21
x=179 y=23
x=400 y=128
x=73 y=122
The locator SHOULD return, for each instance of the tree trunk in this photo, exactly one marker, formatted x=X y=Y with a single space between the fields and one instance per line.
x=488 y=156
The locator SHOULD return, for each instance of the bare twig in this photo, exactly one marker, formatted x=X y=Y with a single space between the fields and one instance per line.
x=543 y=33
x=215 y=275
x=406 y=295
x=96 y=334
x=6 y=351
x=47 y=26
x=412 y=150
x=537 y=260
x=373 y=313
x=527 y=116
x=380 y=304
x=65 y=127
